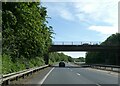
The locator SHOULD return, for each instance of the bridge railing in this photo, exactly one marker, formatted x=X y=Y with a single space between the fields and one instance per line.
x=83 y=43
x=76 y=43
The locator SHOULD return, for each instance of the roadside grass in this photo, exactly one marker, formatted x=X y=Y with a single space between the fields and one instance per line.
x=10 y=66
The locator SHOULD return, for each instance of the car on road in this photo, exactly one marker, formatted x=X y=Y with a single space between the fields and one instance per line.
x=62 y=64
x=85 y=44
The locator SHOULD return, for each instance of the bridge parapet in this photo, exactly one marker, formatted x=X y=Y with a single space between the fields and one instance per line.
x=83 y=46
x=76 y=43
x=84 y=43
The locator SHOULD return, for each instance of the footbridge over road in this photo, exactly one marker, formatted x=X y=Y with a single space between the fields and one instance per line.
x=83 y=46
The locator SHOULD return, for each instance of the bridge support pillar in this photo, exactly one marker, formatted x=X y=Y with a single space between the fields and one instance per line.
x=46 y=58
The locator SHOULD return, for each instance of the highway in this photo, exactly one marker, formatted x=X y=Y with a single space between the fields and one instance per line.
x=74 y=75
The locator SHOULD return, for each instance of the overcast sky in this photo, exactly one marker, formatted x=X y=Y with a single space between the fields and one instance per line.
x=82 y=20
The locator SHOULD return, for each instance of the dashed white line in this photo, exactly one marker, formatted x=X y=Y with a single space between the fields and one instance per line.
x=78 y=74
x=46 y=76
x=98 y=85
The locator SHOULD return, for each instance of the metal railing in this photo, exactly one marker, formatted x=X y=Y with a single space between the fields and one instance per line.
x=76 y=43
x=113 y=68
x=83 y=43
x=6 y=79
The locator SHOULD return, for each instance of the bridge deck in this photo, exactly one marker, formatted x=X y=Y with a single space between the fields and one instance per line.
x=83 y=48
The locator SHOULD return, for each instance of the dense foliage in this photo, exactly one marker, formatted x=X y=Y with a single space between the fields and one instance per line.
x=105 y=57
x=26 y=35
x=56 y=57
x=80 y=59
x=25 y=32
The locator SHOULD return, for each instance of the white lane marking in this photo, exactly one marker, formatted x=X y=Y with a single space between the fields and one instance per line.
x=46 y=76
x=71 y=70
x=103 y=71
x=68 y=68
x=78 y=74
x=98 y=85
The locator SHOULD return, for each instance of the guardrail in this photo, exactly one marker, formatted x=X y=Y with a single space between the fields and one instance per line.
x=113 y=68
x=6 y=79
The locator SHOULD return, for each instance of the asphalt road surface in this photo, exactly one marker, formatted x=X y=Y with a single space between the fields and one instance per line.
x=72 y=75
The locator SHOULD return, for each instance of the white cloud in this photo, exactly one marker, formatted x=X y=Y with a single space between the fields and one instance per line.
x=104 y=29
x=69 y=0
x=99 y=11
x=89 y=12
x=66 y=14
x=60 y=10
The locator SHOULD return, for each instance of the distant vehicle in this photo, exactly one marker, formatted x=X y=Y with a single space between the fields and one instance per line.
x=85 y=44
x=62 y=64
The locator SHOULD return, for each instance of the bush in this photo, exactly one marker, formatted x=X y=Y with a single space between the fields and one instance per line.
x=7 y=64
x=10 y=65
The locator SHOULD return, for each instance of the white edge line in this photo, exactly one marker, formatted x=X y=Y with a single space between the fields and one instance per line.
x=41 y=82
x=98 y=85
x=78 y=74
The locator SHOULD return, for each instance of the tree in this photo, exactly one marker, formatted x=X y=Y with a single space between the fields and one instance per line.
x=56 y=57
x=105 y=57
x=82 y=59
x=25 y=29
x=70 y=59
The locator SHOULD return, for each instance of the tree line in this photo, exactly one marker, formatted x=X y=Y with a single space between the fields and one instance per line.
x=111 y=58
x=57 y=57
x=80 y=59
x=26 y=35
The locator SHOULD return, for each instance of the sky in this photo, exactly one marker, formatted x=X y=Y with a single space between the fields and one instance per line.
x=82 y=20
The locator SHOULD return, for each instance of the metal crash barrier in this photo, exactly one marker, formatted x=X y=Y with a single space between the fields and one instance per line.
x=6 y=79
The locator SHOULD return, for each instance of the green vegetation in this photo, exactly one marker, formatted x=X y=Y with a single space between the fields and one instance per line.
x=26 y=35
x=10 y=66
x=105 y=57
x=80 y=59
x=57 y=57
x=27 y=38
